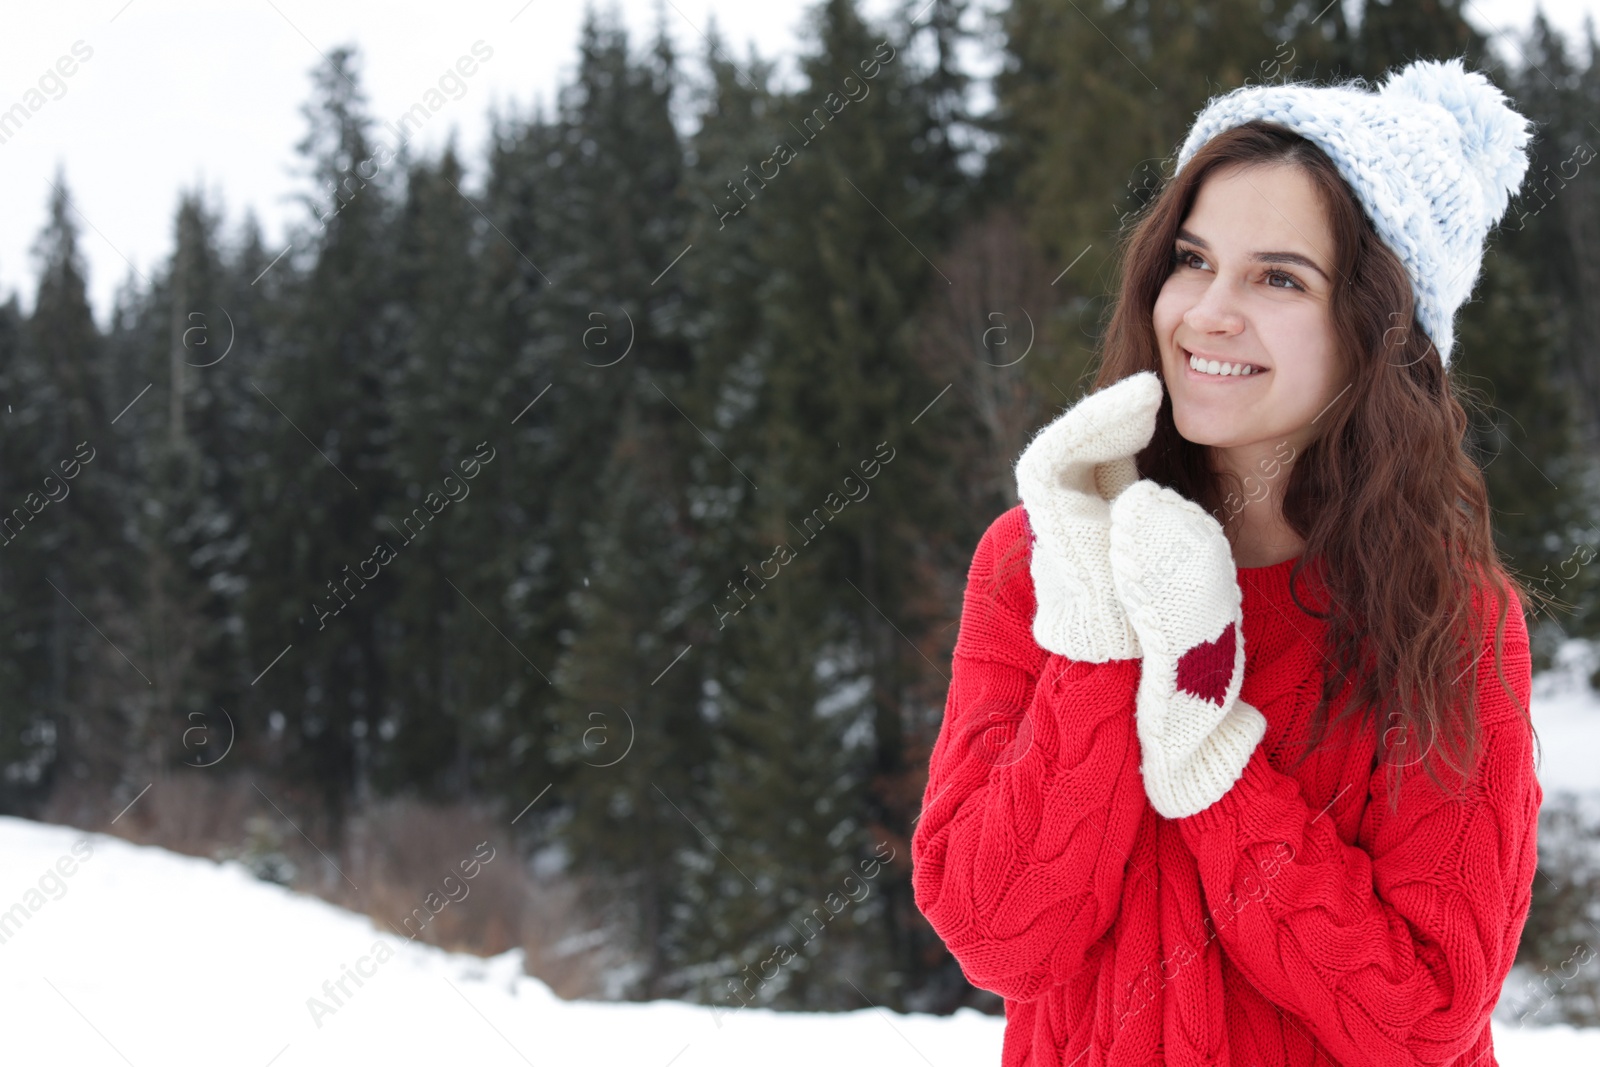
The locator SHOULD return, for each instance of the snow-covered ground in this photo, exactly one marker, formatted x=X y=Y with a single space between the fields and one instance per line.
x=141 y=956
x=117 y=954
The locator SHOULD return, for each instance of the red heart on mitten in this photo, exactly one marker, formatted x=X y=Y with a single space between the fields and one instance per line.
x=1205 y=669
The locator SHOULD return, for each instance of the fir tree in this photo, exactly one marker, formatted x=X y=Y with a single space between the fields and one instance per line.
x=813 y=681
x=89 y=688
x=325 y=499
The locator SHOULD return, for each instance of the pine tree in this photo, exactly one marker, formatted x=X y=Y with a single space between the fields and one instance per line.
x=91 y=682
x=525 y=343
x=1521 y=430
x=28 y=723
x=813 y=682
x=435 y=373
x=627 y=728
x=1094 y=101
x=325 y=499
x=1537 y=292
x=1580 y=212
x=162 y=340
x=617 y=491
x=1392 y=33
x=227 y=424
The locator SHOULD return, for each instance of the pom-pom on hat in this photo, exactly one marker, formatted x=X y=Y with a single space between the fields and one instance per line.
x=1434 y=156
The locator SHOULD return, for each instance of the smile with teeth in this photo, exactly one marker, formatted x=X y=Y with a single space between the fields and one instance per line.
x=1220 y=369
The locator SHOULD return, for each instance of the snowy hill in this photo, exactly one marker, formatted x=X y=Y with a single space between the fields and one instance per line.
x=117 y=954
x=135 y=955
x=140 y=956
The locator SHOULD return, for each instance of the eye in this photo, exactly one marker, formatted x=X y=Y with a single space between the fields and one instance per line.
x=1181 y=256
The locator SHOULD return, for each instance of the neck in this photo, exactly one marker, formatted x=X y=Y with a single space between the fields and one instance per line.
x=1259 y=535
x=1255 y=515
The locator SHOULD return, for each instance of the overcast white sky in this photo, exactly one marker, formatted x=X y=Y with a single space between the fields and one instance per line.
x=183 y=93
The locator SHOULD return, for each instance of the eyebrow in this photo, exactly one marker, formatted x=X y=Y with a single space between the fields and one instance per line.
x=1260 y=257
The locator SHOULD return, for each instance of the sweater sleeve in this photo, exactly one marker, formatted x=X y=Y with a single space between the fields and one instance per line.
x=1033 y=796
x=1391 y=951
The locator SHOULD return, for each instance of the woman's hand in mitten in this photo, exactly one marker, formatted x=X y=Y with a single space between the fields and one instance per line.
x=1174 y=572
x=1066 y=477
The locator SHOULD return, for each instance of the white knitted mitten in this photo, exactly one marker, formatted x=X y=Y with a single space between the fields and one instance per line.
x=1174 y=572
x=1065 y=477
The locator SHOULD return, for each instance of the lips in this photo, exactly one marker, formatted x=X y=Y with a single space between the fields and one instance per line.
x=1206 y=356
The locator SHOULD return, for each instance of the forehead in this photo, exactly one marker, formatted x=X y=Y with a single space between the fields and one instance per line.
x=1261 y=207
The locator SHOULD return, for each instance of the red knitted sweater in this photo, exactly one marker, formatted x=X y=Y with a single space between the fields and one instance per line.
x=1296 y=921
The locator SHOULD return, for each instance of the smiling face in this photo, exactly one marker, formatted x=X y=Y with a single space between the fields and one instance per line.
x=1251 y=285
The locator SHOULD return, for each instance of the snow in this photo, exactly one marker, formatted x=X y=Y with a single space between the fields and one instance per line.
x=121 y=954
x=1566 y=720
x=144 y=957
x=141 y=956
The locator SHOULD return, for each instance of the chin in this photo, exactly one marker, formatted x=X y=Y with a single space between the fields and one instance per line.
x=1205 y=432
x=1207 y=440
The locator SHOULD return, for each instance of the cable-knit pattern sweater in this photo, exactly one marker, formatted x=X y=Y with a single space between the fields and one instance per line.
x=1296 y=921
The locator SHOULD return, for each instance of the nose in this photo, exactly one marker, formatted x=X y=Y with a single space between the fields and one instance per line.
x=1215 y=312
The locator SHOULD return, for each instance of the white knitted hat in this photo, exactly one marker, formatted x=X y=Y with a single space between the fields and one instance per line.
x=1434 y=156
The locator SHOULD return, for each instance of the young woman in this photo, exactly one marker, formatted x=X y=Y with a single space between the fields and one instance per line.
x=1236 y=765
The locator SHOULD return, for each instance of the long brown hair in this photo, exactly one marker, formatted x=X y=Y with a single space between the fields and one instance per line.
x=1394 y=513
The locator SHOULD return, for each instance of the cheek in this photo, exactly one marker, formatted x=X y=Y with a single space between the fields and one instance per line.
x=1168 y=311
x=1316 y=339
x=1304 y=349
